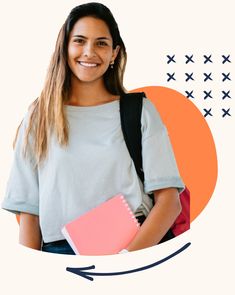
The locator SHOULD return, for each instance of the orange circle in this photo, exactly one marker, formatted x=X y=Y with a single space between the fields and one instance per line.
x=192 y=142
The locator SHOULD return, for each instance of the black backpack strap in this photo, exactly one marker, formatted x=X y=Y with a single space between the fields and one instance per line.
x=130 y=113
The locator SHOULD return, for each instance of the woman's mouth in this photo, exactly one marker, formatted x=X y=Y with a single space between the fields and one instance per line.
x=88 y=64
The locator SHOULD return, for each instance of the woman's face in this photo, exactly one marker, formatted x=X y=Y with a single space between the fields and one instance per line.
x=90 y=49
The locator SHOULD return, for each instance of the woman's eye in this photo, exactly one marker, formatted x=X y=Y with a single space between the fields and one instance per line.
x=79 y=41
x=102 y=43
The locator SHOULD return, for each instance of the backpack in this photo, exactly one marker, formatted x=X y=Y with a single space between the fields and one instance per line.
x=130 y=114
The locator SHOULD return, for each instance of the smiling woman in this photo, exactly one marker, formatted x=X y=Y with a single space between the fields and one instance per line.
x=70 y=152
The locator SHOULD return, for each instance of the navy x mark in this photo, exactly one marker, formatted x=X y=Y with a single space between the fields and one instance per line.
x=189 y=77
x=207 y=94
x=170 y=77
x=226 y=59
x=207 y=77
x=226 y=94
x=189 y=59
x=207 y=59
x=226 y=77
x=226 y=112
x=189 y=94
x=171 y=58
x=207 y=112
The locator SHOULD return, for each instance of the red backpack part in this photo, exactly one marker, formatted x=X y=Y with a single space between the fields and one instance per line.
x=182 y=222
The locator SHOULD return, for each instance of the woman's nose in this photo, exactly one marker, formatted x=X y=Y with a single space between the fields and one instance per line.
x=89 y=50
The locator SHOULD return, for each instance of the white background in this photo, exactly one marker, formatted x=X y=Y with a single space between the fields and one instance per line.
x=150 y=29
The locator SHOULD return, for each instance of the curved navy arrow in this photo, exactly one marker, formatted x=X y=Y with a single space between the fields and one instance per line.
x=81 y=271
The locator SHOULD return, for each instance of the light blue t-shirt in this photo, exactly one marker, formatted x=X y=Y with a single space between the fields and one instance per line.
x=95 y=166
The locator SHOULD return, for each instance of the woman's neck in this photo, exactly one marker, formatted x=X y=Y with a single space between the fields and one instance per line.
x=89 y=94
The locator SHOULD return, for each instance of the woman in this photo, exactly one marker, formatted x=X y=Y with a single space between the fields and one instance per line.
x=74 y=155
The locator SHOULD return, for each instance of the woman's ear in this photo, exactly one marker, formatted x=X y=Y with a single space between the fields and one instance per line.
x=115 y=52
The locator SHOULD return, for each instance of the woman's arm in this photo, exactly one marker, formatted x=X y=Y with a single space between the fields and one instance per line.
x=163 y=214
x=30 y=233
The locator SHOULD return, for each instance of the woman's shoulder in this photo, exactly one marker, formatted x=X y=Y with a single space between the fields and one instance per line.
x=150 y=113
x=24 y=123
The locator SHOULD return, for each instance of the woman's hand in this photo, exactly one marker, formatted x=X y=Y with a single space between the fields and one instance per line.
x=30 y=233
x=163 y=214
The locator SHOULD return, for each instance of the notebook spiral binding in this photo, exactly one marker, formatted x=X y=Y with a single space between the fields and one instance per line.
x=130 y=211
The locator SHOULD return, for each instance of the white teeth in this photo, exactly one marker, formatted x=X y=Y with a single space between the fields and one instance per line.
x=86 y=64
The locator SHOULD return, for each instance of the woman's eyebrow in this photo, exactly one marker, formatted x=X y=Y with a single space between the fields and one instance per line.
x=104 y=38
x=99 y=38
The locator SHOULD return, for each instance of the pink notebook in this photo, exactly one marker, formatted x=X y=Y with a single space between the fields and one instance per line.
x=106 y=229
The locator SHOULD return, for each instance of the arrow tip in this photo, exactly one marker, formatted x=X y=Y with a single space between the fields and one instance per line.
x=80 y=271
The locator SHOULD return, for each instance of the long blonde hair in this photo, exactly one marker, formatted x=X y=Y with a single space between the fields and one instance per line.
x=47 y=114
